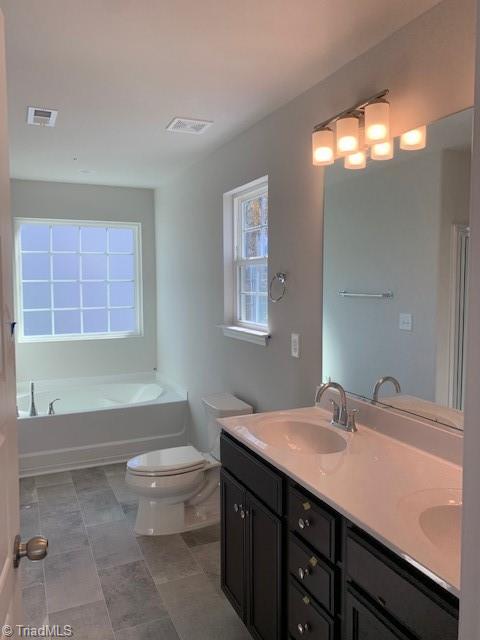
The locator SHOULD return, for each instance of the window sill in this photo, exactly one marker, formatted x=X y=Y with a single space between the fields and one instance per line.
x=247 y=335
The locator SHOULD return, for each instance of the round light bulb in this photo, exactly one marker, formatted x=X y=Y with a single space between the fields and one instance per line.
x=323 y=147
x=414 y=139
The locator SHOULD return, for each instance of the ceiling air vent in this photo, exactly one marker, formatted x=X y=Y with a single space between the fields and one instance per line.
x=41 y=117
x=188 y=125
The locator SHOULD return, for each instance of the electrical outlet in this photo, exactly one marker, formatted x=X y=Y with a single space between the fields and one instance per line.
x=295 y=345
x=405 y=322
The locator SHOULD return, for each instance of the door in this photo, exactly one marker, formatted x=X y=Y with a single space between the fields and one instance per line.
x=233 y=509
x=264 y=571
x=10 y=609
x=363 y=624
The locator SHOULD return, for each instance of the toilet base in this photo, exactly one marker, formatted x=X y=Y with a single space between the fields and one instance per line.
x=158 y=519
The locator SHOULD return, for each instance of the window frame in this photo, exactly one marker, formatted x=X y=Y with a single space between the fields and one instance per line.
x=244 y=194
x=136 y=227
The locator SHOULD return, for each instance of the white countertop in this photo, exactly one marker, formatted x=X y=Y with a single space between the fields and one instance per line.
x=378 y=482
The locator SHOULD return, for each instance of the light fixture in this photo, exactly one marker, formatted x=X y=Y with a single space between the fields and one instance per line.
x=323 y=152
x=377 y=121
x=414 y=139
x=382 y=150
x=348 y=134
x=357 y=160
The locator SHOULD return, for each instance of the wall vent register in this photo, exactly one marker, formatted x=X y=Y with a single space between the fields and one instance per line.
x=189 y=125
x=77 y=279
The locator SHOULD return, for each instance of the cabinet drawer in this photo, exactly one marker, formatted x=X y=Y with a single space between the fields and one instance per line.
x=256 y=476
x=305 y=619
x=312 y=522
x=410 y=603
x=364 y=623
x=315 y=575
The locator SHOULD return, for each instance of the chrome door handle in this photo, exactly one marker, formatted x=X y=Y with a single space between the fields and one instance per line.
x=35 y=549
x=303 y=524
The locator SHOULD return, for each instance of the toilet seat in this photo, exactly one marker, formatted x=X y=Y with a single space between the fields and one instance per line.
x=167 y=462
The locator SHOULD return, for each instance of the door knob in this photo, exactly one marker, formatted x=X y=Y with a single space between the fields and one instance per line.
x=35 y=549
x=302 y=628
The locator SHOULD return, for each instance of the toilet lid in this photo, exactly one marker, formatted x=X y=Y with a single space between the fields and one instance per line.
x=164 y=460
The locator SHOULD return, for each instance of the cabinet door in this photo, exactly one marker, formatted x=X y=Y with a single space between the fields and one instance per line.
x=363 y=623
x=264 y=571
x=233 y=510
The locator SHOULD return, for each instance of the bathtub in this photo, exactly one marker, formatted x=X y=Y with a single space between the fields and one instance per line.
x=97 y=421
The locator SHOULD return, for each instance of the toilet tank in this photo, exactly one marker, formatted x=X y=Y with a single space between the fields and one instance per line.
x=221 y=405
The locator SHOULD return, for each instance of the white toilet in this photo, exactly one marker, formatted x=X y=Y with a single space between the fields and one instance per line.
x=178 y=488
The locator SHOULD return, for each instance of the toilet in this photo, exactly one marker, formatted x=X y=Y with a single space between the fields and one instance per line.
x=178 y=488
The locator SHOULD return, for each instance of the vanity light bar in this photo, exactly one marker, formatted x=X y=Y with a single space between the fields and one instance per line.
x=365 y=124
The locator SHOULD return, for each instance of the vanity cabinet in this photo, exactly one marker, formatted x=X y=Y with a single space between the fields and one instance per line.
x=293 y=568
x=252 y=544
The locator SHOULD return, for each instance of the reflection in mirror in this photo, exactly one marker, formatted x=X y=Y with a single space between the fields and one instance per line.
x=395 y=274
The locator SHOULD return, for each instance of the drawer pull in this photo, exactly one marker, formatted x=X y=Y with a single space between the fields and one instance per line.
x=382 y=601
x=235 y=507
x=303 y=573
x=306 y=600
x=303 y=628
x=303 y=524
x=243 y=514
x=306 y=506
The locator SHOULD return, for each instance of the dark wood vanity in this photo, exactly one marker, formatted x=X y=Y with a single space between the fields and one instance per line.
x=294 y=568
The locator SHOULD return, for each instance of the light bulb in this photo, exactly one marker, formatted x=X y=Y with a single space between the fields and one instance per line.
x=323 y=147
x=377 y=122
x=356 y=160
x=347 y=135
x=414 y=139
x=382 y=150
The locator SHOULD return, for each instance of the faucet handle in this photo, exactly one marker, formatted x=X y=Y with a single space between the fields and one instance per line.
x=51 y=410
x=351 y=420
x=336 y=411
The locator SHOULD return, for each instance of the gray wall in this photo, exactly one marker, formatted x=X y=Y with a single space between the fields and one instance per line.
x=85 y=202
x=428 y=66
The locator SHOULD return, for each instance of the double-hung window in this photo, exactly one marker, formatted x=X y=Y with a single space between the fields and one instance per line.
x=250 y=211
x=77 y=279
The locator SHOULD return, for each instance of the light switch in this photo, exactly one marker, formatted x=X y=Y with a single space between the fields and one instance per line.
x=295 y=345
x=405 y=322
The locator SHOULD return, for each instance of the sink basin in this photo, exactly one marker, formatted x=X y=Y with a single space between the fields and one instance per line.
x=442 y=526
x=299 y=436
x=438 y=513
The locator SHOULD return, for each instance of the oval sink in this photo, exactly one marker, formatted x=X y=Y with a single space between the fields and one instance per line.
x=299 y=437
x=442 y=526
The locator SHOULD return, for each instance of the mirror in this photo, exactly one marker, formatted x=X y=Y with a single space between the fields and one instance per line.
x=395 y=273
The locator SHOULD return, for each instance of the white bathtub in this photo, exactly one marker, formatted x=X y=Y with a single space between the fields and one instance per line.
x=97 y=421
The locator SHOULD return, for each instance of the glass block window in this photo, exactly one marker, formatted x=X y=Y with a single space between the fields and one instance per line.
x=251 y=257
x=77 y=280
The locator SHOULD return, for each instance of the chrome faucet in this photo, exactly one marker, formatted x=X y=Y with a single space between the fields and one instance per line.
x=33 y=409
x=341 y=417
x=382 y=381
x=51 y=410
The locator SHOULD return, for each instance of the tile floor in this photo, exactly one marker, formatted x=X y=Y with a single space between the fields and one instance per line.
x=108 y=583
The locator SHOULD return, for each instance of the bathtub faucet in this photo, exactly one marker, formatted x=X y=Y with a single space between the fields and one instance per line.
x=33 y=409
x=51 y=410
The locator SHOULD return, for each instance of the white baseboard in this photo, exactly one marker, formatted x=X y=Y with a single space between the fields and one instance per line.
x=42 y=462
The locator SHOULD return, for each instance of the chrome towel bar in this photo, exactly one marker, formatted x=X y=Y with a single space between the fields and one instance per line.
x=353 y=294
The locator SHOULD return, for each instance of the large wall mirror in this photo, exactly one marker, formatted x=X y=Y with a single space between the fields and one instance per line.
x=395 y=275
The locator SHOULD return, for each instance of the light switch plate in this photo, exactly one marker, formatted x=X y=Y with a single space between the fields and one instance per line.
x=295 y=345
x=405 y=322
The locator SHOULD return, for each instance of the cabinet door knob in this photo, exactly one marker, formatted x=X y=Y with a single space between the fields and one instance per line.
x=242 y=514
x=303 y=628
x=303 y=573
x=303 y=524
x=235 y=507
